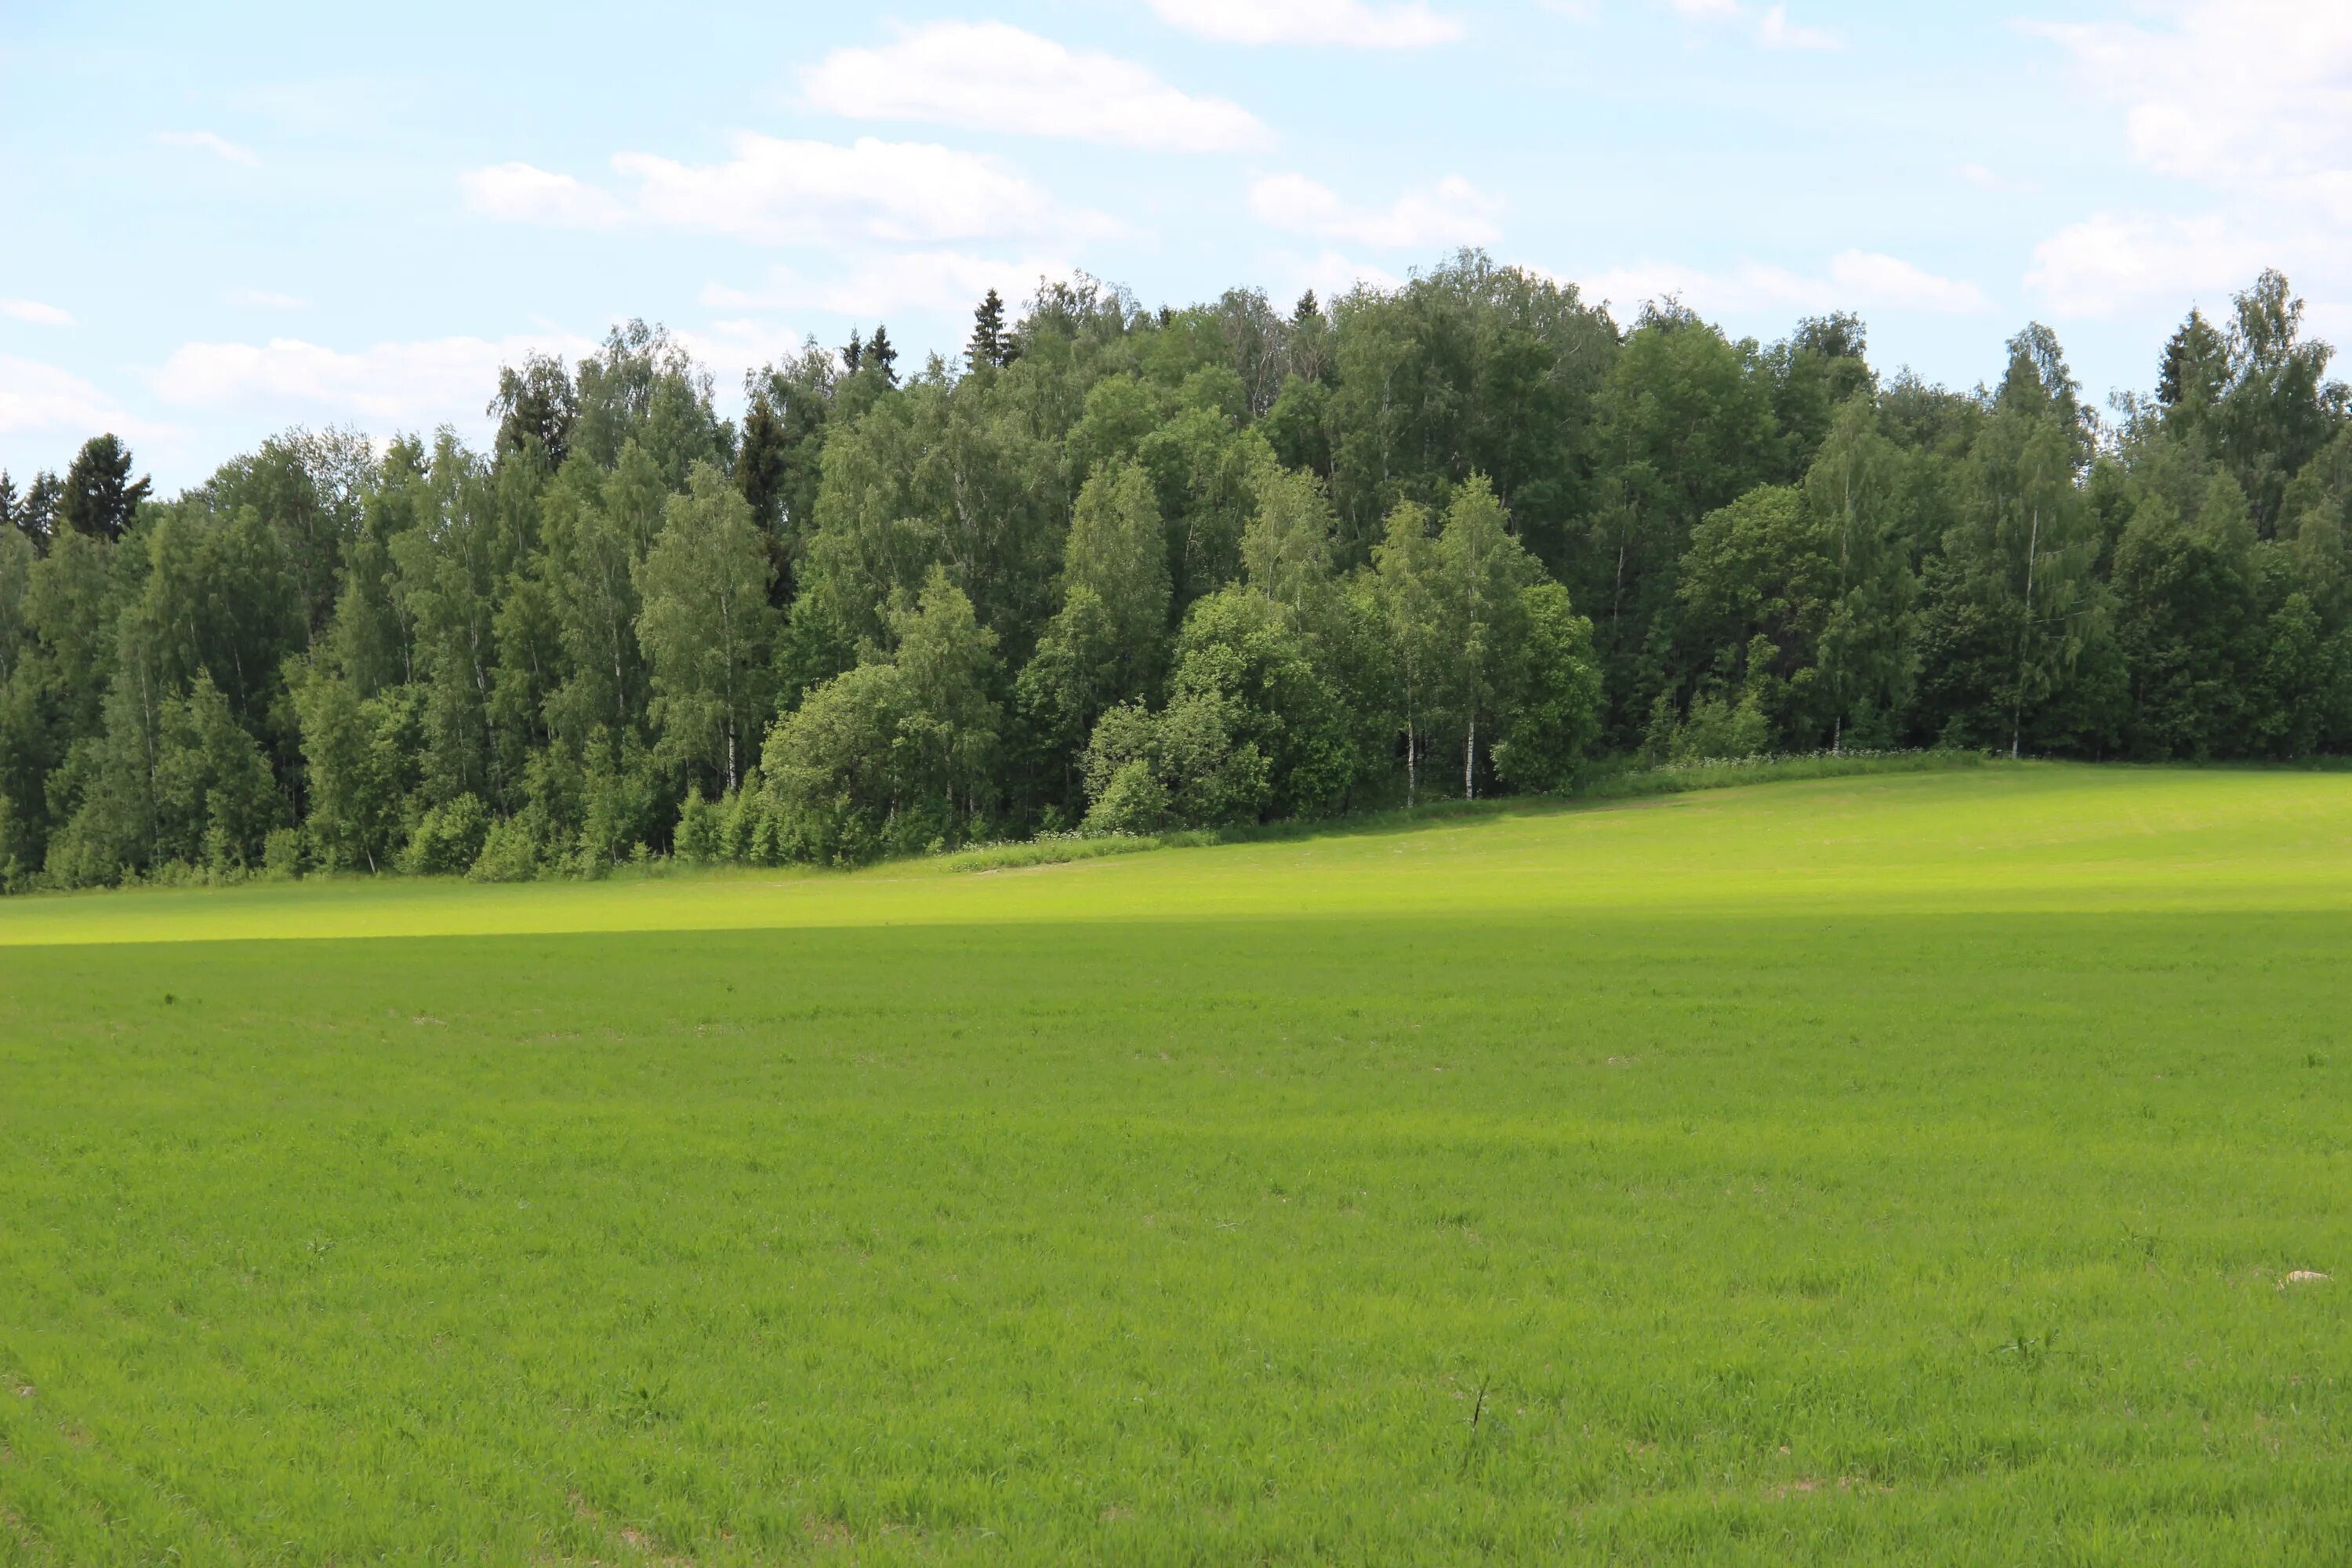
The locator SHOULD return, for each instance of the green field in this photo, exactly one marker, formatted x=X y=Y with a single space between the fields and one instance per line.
x=1889 y=1169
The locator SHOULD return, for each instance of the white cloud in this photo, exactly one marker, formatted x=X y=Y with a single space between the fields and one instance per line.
x=394 y=383
x=1777 y=32
x=1985 y=178
x=929 y=282
x=775 y=192
x=1333 y=276
x=1372 y=27
x=1857 y=279
x=994 y=77
x=208 y=141
x=1773 y=29
x=268 y=299
x=1451 y=211
x=521 y=193
x=2251 y=100
x=32 y=310
x=1749 y=287
x=2104 y=263
x=729 y=348
x=36 y=398
x=1871 y=278
x=2231 y=90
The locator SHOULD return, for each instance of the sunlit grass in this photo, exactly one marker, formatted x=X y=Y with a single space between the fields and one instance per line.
x=1874 y=1170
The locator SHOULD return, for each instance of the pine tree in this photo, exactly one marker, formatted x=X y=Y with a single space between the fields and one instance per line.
x=853 y=354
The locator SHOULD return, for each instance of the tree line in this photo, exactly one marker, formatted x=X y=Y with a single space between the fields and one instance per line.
x=1125 y=570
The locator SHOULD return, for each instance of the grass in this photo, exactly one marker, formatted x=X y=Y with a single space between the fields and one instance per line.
x=1888 y=1169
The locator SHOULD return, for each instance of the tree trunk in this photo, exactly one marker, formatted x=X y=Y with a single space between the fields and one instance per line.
x=1411 y=764
x=2017 y=708
x=1470 y=759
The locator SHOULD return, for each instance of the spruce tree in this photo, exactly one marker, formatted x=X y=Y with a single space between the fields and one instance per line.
x=987 y=345
x=853 y=354
x=38 y=513
x=761 y=466
x=883 y=357
x=100 y=494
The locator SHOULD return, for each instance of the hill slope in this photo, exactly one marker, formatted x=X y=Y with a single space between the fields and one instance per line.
x=1883 y=1170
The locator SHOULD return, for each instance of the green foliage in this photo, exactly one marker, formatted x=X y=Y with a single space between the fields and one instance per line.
x=707 y=628
x=899 y=750
x=447 y=839
x=1550 y=731
x=1105 y=643
x=100 y=497
x=1321 y=559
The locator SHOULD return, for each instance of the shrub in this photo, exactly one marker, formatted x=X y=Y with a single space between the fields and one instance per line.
x=448 y=840
x=508 y=854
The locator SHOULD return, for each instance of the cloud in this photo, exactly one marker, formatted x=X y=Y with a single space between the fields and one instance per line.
x=729 y=348
x=36 y=398
x=394 y=383
x=1988 y=179
x=775 y=192
x=917 y=282
x=32 y=310
x=1333 y=276
x=1751 y=286
x=2104 y=263
x=1451 y=211
x=208 y=141
x=1773 y=29
x=1777 y=32
x=1856 y=279
x=519 y=193
x=1411 y=26
x=989 y=76
x=1871 y=278
x=268 y=299
x=2251 y=100
x=2231 y=91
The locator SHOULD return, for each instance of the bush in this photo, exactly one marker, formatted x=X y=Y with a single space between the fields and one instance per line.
x=281 y=854
x=449 y=839
x=508 y=854
x=1134 y=801
x=697 y=837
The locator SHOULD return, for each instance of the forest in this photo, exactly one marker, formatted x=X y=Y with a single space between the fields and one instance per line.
x=1119 y=570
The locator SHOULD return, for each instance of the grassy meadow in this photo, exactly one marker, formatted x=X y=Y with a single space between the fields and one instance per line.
x=1900 y=1169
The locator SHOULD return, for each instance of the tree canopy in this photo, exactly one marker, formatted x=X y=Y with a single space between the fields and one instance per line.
x=1121 y=569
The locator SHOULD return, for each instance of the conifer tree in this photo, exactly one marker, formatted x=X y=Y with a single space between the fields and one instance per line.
x=988 y=338
x=100 y=494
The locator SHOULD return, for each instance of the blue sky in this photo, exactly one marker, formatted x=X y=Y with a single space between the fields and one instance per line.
x=221 y=221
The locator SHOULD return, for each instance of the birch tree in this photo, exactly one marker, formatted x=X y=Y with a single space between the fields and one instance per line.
x=707 y=628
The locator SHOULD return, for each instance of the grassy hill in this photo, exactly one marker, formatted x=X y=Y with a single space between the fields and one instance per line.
x=1882 y=1169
